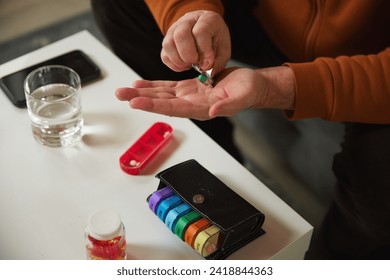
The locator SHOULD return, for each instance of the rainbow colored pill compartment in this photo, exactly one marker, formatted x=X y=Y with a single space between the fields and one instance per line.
x=186 y=223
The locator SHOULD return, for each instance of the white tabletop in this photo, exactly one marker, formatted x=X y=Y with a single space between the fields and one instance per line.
x=46 y=194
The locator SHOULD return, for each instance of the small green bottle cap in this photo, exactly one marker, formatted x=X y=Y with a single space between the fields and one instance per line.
x=202 y=78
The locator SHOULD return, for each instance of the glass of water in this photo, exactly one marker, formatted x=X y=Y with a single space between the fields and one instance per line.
x=54 y=105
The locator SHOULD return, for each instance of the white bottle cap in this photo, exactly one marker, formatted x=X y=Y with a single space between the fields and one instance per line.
x=104 y=224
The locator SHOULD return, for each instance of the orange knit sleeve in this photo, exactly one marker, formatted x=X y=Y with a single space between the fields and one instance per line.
x=351 y=89
x=166 y=12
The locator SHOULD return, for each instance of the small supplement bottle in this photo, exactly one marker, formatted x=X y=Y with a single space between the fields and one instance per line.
x=105 y=236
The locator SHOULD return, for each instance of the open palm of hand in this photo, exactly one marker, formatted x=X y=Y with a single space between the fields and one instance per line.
x=191 y=99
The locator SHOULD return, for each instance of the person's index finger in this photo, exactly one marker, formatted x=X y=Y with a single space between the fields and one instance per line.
x=185 y=42
x=204 y=43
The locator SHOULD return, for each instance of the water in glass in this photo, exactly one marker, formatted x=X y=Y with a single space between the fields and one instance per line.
x=55 y=112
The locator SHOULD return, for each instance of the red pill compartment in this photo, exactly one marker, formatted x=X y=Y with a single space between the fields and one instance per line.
x=145 y=148
x=135 y=155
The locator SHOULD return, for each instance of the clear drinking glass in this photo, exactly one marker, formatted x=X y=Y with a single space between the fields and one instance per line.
x=54 y=105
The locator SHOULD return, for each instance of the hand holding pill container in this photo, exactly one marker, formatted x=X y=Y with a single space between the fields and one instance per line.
x=204 y=76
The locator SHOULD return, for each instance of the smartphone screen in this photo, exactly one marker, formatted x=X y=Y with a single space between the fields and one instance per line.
x=12 y=84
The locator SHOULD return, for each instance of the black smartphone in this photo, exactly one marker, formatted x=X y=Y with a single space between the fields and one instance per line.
x=12 y=84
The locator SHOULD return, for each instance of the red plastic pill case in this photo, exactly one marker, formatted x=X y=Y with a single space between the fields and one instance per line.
x=145 y=148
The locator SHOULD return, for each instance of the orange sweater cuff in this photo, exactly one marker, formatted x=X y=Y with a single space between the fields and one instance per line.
x=313 y=90
x=168 y=11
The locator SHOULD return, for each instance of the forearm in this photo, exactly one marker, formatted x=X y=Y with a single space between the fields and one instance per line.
x=353 y=89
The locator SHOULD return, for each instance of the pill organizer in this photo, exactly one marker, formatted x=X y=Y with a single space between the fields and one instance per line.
x=208 y=241
x=194 y=229
x=167 y=205
x=175 y=214
x=158 y=196
x=136 y=158
x=204 y=239
x=204 y=212
x=184 y=222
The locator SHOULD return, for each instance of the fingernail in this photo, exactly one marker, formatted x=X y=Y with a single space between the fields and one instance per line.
x=205 y=64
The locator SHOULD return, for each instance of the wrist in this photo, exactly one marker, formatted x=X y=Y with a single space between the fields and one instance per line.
x=279 y=87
